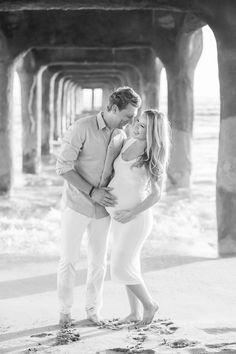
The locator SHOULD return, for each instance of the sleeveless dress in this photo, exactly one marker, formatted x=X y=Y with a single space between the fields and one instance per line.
x=130 y=187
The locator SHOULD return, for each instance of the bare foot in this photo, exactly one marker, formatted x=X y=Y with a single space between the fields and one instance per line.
x=148 y=315
x=130 y=318
x=65 y=320
x=95 y=318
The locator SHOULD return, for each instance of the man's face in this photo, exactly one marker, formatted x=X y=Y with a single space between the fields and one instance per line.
x=125 y=116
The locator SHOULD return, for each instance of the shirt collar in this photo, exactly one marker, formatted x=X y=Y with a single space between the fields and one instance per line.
x=100 y=121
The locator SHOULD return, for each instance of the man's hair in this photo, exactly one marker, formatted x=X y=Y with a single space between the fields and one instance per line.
x=122 y=96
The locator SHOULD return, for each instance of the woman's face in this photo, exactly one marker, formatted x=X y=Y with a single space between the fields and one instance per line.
x=140 y=128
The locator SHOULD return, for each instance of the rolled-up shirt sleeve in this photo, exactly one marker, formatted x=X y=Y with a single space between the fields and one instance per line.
x=72 y=144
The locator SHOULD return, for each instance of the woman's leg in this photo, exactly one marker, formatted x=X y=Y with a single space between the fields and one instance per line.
x=150 y=307
x=128 y=240
x=135 y=308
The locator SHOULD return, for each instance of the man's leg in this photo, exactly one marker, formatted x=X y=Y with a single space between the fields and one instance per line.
x=73 y=227
x=98 y=231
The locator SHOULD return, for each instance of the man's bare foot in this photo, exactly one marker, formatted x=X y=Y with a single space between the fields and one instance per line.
x=65 y=320
x=95 y=318
x=148 y=314
x=130 y=318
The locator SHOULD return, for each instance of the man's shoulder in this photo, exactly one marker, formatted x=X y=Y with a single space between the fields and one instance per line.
x=87 y=121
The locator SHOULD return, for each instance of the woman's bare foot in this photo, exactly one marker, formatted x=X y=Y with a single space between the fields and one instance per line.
x=96 y=319
x=148 y=314
x=130 y=318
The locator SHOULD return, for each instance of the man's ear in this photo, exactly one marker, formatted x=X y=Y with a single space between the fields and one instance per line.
x=114 y=108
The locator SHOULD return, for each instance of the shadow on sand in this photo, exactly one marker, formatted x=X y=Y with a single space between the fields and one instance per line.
x=46 y=336
x=45 y=283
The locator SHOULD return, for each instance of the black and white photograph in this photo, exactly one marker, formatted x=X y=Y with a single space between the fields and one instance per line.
x=118 y=176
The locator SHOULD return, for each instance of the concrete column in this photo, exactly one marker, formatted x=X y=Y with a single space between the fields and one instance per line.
x=70 y=108
x=47 y=122
x=53 y=92
x=58 y=111
x=146 y=81
x=180 y=74
x=150 y=79
x=140 y=74
x=159 y=67
x=59 y=105
x=226 y=168
x=31 y=139
x=5 y=118
x=78 y=101
x=105 y=94
x=68 y=103
x=64 y=105
x=73 y=107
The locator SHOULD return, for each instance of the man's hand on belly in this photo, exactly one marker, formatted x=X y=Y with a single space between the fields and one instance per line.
x=103 y=197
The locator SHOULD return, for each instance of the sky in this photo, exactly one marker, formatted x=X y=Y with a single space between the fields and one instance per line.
x=206 y=82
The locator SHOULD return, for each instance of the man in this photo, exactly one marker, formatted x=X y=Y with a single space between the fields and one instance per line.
x=85 y=162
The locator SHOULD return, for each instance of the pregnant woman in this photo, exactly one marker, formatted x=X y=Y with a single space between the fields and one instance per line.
x=137 y=184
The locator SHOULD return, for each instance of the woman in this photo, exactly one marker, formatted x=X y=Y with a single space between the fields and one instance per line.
x=137 y=184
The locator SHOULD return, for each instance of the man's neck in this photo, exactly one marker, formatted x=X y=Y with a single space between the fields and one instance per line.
x=107 y=120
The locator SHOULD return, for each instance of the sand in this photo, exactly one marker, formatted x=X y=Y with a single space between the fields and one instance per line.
x=195 y=294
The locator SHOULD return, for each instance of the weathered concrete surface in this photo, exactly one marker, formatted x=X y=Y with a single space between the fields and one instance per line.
x=65 y=116
x=5 y=117
x=226 y=187
x=150 y=74
x=31 y=139
x=47 y=124
x=107 y=4
x=180 y=167
x=53 y=94
x=78 y=33
x=70 y=103
x=225 y=33
x=124 y=62
x=180 y=74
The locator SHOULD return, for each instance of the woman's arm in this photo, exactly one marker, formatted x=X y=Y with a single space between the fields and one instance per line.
x=124 y=216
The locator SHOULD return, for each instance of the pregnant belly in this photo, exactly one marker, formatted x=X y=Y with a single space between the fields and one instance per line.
x=128 y=196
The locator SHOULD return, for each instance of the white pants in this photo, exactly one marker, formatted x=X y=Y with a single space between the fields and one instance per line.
x=74 y=226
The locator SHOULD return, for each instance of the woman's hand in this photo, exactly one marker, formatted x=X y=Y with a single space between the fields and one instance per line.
x=124 y=216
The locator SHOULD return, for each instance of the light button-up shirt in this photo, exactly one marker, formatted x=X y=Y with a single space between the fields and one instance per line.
x=89 y=148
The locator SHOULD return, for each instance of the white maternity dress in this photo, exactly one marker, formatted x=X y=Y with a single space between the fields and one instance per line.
x=130 y=187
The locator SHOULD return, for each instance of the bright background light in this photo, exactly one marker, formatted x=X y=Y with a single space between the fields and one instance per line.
x=206 y=78
x=206 y=81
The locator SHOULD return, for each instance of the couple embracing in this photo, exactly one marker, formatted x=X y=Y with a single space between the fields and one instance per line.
x=112 y=179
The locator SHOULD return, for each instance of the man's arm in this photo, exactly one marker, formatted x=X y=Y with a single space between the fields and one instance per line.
x=77 y=181
x=71 y=146
x=101 y=195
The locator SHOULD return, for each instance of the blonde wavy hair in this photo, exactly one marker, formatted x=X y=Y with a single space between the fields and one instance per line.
x=156 y=155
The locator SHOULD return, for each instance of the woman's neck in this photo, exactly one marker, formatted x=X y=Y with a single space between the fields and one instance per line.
x=141 y=144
